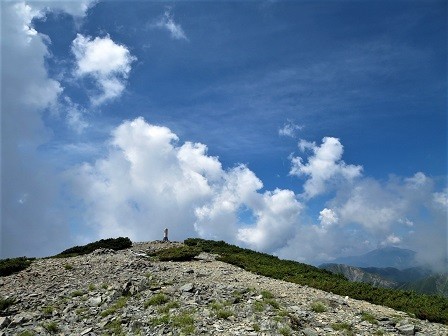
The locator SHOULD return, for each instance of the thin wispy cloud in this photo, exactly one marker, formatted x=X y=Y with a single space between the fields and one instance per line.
x=167 y=22
x=290 y=129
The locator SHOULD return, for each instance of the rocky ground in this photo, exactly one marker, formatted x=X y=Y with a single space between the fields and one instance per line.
x=129 y=293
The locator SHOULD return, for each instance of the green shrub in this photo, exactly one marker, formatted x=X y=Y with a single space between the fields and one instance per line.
x=272 y=303
x=164 y=319
x=156 y=300
x=166 y=308
x=341 y=326
x=115 y=328
x=282 y=313
x=182 y=253
x=48 y=310
x=318 y=307
x=14 y=265
x=51 y=327
x=26 y=333
x=68 y=267
x=185 y=322
x=120 y=303
x=266 y=295
x=224 y=313
x=215 y=305
x=77 y=293
x=258 y=306
x=285 y=331
x=116 y=244
x=81 y=311
x=5 y=303
x=365 y=316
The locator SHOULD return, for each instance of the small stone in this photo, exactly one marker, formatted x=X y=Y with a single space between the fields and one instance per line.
x=102 y=324
x=4 y=321
x=188 y=287
x=18 y=319
x=309 y=332
x=94 y=301
x=407 y=329
x=86 y=331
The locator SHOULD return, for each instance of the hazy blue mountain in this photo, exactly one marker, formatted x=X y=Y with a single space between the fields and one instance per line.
x=382 y=257
x=400 y=276
x=434 y=284
x=417 y=279
x=357 y=274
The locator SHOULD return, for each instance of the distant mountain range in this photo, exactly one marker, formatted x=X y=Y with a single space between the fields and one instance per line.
x=382 y=257
x=359 y=275
x=390 y=267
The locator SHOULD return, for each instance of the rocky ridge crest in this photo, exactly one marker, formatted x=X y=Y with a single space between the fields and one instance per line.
x=128 y=293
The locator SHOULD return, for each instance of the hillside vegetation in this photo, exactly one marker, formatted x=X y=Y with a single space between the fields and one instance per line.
x=119 y=243
x=13 y=265
x=432 y=308
x=437 y=283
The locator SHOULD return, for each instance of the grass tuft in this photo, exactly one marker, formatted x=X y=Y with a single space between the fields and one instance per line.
x=156 y=300
x=51 y=327
x=120 y=303
x=26 y=333
x=5 y=303
x=159 y=320
x=341 y=326
x=224 y=313
x=258 y=306
x=365 y=316
x=318 y=307
x=77 y=293
x=285 y=331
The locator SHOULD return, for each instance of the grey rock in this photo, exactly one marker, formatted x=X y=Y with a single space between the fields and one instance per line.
x=103 y=251
x=86 y=331
x=94 y=301
x=206 y=256
x=4 y=321
x=188 y=287
x=407 y=329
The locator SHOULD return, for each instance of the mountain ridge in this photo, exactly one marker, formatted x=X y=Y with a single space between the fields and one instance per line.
x=383 y=257
x=130 y=291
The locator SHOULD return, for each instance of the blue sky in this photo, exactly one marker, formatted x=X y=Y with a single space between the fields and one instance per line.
x=311 y=130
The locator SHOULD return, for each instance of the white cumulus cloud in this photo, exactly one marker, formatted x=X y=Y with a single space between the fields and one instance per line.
x=148 y=181
x=323 y=167
x=276 y=216
x=327 y=218
x=31 y=216
x=441 y=198
x=391 y=240
x=107 y=62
